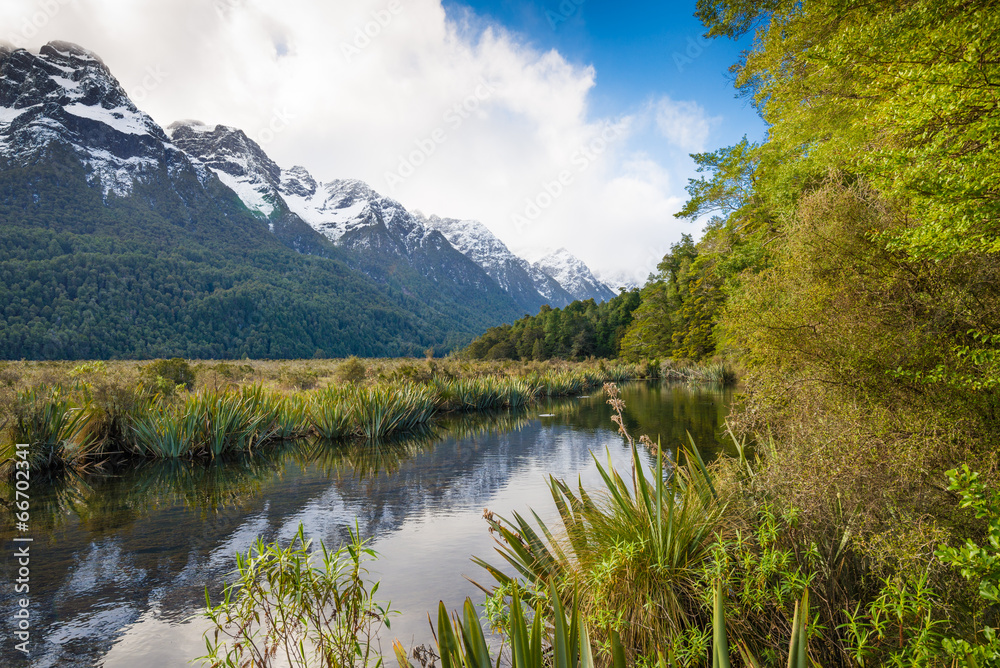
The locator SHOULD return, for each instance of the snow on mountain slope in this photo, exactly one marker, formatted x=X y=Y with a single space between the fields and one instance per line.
x=529 y=287
x=64 y=96
x=573 y=275
x=236 y=159
x=620 y=279
x=347 y=212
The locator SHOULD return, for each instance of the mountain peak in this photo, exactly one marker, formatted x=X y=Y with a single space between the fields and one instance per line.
x=237 y=160
x=64 y=95
x=191 y=124
x=574 y=275
x=69 y=50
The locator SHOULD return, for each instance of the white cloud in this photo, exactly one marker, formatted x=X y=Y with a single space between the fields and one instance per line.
x=683 y=124
x=355 y=89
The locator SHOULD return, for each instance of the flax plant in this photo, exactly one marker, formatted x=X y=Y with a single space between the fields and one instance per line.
x=633 y=549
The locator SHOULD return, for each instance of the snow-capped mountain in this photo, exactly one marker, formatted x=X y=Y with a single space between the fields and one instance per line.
x=79 y=159
x=351 y=214
x=529 y=286
x=65 y=99
x=573 y=275
x=347 y=212
x=187 y=237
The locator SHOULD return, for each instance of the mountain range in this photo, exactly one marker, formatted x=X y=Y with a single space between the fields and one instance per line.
x=125 y=239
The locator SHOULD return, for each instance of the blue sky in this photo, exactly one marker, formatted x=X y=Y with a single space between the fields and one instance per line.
x=641 y=50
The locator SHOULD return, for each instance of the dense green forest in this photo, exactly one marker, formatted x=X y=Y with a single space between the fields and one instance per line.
x=581 y=329
x=675 y=315
x=178 y=270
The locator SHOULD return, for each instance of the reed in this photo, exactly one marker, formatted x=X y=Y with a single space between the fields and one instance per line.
x=47 y=420
x=382 y=410
x=292 y=418
x=330 y=412
x=105 y=413
x=160 y=432
x=483 y=393
x=717 y=372
x=230 y=421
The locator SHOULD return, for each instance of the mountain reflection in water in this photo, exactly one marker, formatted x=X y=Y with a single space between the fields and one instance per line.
x=120 y=563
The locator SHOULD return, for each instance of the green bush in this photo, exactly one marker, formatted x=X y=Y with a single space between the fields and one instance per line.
x=169 y=374
x=351 y=370
x=296 y=606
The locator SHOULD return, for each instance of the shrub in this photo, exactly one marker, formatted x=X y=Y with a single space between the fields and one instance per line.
x=167 y=375
x=295 y=606
x=351 y=370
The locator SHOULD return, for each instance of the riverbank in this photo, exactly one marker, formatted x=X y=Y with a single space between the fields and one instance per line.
x=106 y=414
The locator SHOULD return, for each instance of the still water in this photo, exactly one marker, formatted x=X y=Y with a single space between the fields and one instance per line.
x=120 y=564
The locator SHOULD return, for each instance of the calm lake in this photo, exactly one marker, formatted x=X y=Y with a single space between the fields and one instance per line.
x=120 y=564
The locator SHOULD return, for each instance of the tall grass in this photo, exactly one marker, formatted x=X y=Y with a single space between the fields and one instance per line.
x=118 y=417
x=719 y=372
x=483 y=394
x=383 y=410
x=330 y=413
x=50 y=423
x=642 y=538
x=161 y=432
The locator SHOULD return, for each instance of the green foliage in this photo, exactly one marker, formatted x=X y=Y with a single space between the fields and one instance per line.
x=642 y=540
x=581 y=329
x=351 y=370
x=678 y=307
x=170 y=374
x=297 y=606
x=566 y=644
x=978 y=564
x=973 y=561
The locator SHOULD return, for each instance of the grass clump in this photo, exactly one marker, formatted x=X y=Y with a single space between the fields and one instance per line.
x=123 y=410
x=643 y=538
x=50 y=423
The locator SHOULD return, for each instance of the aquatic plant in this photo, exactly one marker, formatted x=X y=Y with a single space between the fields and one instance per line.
x=161 y=432
x=383 y=410
x=296 y=606
x=49 y=422
x=642 y=538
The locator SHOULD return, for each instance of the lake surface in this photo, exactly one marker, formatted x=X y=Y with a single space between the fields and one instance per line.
x=120 y=564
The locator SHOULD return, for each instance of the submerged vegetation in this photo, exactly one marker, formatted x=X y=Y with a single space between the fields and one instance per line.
x=100 y=414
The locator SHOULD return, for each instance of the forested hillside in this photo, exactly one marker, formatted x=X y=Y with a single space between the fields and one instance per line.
x=161 y=274
x=581 y=329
